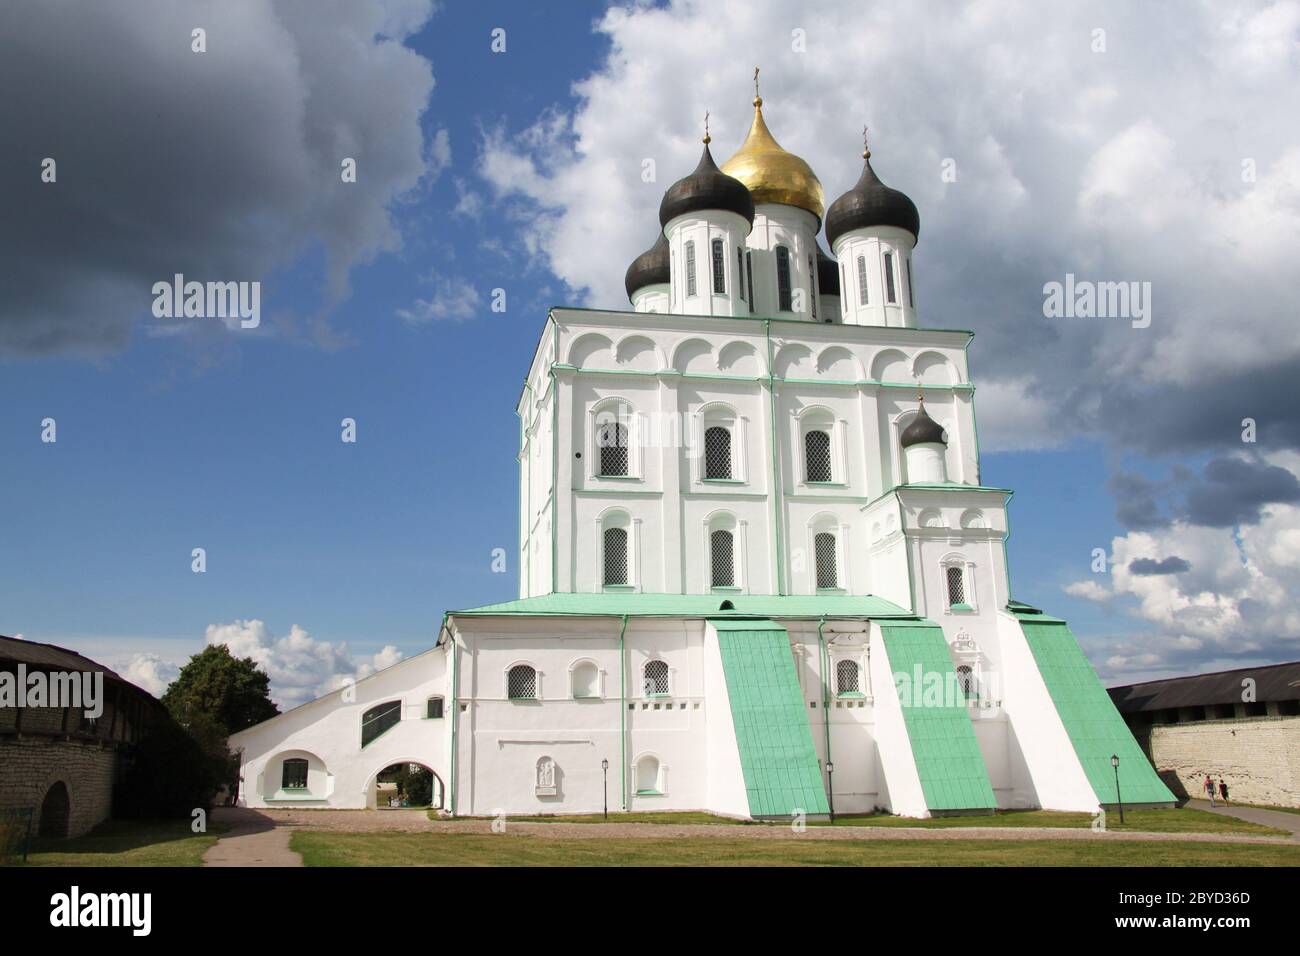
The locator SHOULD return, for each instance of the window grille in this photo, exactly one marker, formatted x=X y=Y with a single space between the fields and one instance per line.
x=862 y=280
x=379 y=719
x=824 y=548
x=521 y=683
x=817 y=455
x=656 y=678
x=616 y=556
x=966 y=680
x=717 y=452
x=890 y=295
x=614 y=456
x=294 y=774
x=956 y=586
x=690 y=267
x=719 y=269
x=433 y=708
x=723 y=559
x=847 y=678
x=783 y=302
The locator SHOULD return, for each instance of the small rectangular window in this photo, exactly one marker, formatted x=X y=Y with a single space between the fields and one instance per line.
x=740 y=272
x=812 y=284
x=862 y=280
x=890 y=295
x=907 y=269
x=690 y=267
x=783 y=293
x=749 y=274
x=294 y=774
x=956 y=587
x=719 y=269
x=433 y=709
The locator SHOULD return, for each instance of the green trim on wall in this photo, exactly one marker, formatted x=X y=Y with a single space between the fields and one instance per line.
x=1094 y=726
x=947 y=755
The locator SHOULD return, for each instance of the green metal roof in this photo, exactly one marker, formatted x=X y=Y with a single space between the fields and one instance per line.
x=777 y=757
x=636 y=604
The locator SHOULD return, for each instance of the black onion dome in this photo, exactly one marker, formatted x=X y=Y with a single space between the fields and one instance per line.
x=923 y=429
x=706 y=188
x=649 y=268
x=828 y=274
x=871 y=203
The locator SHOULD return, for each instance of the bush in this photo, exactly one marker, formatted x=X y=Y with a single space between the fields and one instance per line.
x=168 y=775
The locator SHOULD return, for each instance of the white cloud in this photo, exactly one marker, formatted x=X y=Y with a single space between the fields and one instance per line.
x=151 y=672
x=454 y=298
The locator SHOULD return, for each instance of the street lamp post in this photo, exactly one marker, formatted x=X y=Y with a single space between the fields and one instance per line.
x=1114 y=763
x=604 y=767
x=830 y=787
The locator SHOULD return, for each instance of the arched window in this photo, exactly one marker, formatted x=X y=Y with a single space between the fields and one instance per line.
x=862 y=280
x=722 y=557
x=690 y=267
x=956 y=586
x=817 y=455
x=717 y=452
x=812 y=284
x=783 y=302
x=647 y=775
x=740 y=272
x=656 y=678
x=616 y=563
x=848 y=677
x=293 y=776
x=586 y=681
x=521 y=683
x=824 y=554
x=611 y=439
x=749 y=275
x=433 y=708
x=890 y=295
x=966 y=681
x=719 y=269
x=379 y=720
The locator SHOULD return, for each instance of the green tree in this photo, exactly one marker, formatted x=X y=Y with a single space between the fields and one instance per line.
x=217 y=694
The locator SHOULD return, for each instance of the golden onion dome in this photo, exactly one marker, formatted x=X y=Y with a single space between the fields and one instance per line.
x=772 y=174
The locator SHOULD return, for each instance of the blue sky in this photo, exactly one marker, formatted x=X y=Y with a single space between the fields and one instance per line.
x=230 y=442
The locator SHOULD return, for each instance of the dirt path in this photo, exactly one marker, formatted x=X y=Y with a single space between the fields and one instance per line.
x=253 y=840
x=372 y=821
x=1269 y=818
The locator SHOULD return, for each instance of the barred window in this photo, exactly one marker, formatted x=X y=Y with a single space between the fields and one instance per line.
x=848 y=678
x=966 y=681
x=719 y=269
x=690 y=266
x=783 y=302
x=433 y=708
x=717 y=452
x=817 y=455
x=656 y=678
x=294 y=774
x=824 y=553
x=862 y=280
x=740 y=272
x=615 y=556
x=812 y=284
x=722 y=548
x=907 y=270
x=521 y=683
x=380 y=719
x=614 y=457
x=956 y=586
x=749 y=274
x=890 y=295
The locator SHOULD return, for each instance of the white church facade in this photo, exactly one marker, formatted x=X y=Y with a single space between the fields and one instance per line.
x=759 y=573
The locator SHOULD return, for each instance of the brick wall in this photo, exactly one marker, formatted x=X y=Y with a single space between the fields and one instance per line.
x=29 y=766
x=1259 y=758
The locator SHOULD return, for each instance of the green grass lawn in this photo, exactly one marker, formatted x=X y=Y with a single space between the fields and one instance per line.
x=321 y=848
x=1152 y=821
x=123 y=843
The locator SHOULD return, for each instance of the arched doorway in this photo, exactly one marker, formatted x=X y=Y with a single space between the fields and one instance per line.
x=54 y=812
x=407 y=785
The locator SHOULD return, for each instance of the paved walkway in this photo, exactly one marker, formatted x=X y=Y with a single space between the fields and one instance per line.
x=253 y=840
x=1269 y=818
x=415 y=821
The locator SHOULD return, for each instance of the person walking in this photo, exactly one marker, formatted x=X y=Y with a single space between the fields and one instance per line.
x=1209 y=789
x=1223 y=791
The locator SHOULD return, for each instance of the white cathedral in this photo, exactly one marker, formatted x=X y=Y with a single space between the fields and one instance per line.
x=760 y=575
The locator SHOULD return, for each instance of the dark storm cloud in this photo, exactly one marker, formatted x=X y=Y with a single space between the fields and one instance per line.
x=1137 y=501
x=220 y=165
x=1235 y=491
x=1150 y=566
